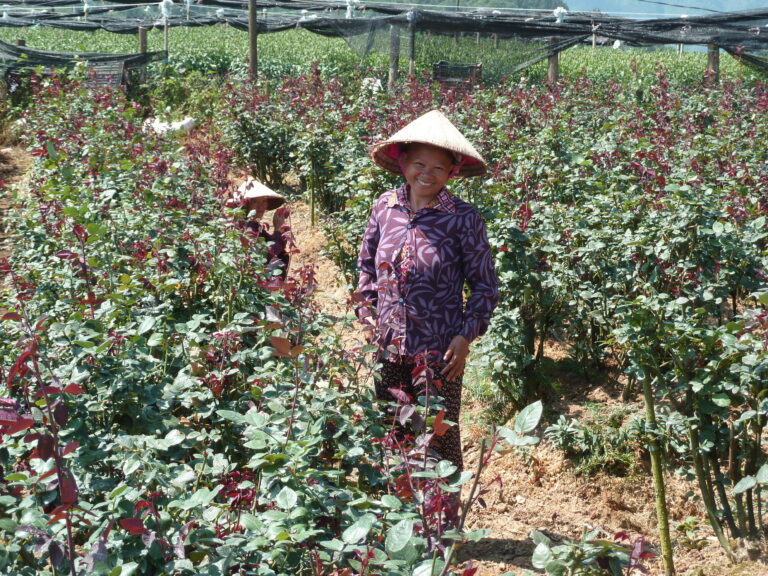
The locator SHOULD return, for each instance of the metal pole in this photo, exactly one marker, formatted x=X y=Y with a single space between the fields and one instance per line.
x=253 y=35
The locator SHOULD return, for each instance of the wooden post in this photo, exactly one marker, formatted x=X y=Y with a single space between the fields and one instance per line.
x=142 y=73
x=142 y=40
x=253 y=35
x=412 y=51
x=594 y=40
x=713 y=63
x=165 y=36
x=394 y=56
x=21 y=42
x=496 y=41
x=553 y=72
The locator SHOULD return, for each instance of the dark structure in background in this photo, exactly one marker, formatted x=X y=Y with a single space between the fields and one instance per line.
x=526 y=37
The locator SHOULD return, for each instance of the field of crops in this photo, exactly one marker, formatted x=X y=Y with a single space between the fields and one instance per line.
x=167 y=407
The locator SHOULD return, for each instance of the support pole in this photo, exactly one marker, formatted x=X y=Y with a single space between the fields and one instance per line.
x=394 y=56
x=142 y=50
x=713 y=63
x=412 y=51
x=142 y=40
x=553 y=71
x=253 y=35
x=165 y=36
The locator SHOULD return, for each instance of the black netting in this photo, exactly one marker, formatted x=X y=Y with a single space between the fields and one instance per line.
x=503 y=41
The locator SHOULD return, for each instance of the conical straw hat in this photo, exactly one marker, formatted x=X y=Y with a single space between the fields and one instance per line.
x=435 y=129
x=252 y=188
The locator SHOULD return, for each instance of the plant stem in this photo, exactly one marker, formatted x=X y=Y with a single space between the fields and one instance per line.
x=707 y=497
x=658 y=480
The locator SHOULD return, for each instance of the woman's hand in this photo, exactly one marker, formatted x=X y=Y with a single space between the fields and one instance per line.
x=455 y=358
x=280 y=216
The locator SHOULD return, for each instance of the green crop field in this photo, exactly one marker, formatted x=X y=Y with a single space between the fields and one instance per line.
x=169 y=407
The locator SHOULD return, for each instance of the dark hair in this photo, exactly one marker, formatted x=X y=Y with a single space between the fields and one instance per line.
x=403 y=148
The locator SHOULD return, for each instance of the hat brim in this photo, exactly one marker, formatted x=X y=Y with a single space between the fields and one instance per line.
x=253 y=189
x=387 y=155
x=432 y=129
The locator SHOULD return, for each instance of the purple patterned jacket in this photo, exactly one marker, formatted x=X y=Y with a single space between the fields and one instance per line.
x=413 y=268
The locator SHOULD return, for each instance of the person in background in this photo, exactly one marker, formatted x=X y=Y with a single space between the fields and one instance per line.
x=254 y=198
x=421 y=248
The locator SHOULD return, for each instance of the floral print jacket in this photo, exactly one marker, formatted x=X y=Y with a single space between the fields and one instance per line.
x=413 y=272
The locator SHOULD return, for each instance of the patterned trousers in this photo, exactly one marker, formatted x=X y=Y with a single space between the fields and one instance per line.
x=399 y=375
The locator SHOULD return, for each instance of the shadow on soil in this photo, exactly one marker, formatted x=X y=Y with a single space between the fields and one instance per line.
x=516 y=553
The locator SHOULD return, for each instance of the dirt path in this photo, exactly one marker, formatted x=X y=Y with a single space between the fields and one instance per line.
x=14 y=162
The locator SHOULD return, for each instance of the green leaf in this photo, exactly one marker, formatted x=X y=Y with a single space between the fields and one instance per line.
x=444 y=469
x=391 y=502
x=146 y=325
x=762 y=474
x=359 y=530
x=746 y=483
x=529 y=418
x=429 y=568
x=542 y=555
x=202 y=497
x=721 y=400
x=399 y=535
x=286 y=498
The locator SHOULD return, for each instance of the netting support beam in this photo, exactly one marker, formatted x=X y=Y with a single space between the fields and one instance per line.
x=713 y=63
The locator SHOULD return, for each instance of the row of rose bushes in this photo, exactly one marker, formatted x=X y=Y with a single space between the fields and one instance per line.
x=628 y=221
x=166 y=406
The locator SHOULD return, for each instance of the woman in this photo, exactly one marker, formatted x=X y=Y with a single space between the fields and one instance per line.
x=254 y=198
x=421 y=247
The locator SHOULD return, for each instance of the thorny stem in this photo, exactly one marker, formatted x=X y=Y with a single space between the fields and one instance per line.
x=57 y=459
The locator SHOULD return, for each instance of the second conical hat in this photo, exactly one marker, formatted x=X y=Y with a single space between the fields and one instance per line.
x=252 y=188
x=435 y=129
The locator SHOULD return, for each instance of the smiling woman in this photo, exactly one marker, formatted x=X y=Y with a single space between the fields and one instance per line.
x=421 y=246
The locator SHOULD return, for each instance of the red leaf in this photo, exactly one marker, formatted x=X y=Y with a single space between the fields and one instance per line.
x=67 y=488
x=10 y=316
x=133 y=526
x=74 y=389
x=45 y=446
x=282 y=346
x=8 y=416
x=47 y=390
x=61 y=414
x=439 y=426
x=22 y=424
x=50 y=472
x=66 y=255
x=70 y=447
x=400 y=395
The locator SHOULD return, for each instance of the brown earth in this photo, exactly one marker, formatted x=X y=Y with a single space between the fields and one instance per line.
x=539 y=491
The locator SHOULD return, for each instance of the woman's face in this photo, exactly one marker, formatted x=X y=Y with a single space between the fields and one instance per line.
x=426 y=169
x=257 y=205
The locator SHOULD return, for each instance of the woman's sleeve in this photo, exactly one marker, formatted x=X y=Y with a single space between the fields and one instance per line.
x=480 y=275
x=367 y=294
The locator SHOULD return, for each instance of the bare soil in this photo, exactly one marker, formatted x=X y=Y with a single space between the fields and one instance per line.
x=539 y=492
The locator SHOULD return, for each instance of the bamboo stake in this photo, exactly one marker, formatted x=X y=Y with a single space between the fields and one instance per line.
x=658 y=480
